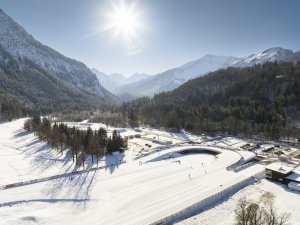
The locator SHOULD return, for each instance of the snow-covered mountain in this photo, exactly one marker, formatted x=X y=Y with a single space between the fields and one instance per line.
x=269 y=55
x=137 y=77
x=19 y=48
x=24 y=48
x=173 y=78
x=114 y=81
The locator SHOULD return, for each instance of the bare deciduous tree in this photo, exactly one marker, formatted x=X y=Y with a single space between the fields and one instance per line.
x=248 y=213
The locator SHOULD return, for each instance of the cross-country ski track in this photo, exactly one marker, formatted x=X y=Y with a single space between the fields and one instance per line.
x=142 y=191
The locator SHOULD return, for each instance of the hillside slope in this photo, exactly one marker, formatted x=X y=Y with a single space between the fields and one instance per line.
x=264 y=99
x=42 y=77
x=171 y=79
x=38 y=90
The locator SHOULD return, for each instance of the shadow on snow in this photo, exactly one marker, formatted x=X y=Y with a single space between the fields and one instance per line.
x=112 y=162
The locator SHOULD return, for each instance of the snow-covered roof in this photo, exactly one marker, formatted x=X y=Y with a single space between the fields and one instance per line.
x=280 y=167
x=295 y=176
x=264 y=148
x=294 y=186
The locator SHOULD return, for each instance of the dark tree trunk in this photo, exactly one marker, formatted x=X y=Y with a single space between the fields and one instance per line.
x=61 y=148
x=83 y=162
x=73 y=155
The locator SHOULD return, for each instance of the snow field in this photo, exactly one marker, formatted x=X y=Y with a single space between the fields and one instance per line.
x=285 y=201
x=133 y=193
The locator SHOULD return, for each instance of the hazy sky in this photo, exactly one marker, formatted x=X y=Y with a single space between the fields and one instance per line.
x=173 y=31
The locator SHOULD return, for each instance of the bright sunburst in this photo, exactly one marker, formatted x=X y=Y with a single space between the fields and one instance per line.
x=125 y=20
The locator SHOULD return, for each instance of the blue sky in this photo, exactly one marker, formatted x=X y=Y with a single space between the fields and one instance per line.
x=174 y=31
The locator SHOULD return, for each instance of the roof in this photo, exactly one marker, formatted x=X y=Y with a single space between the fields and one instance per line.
x=294 y=186
x=280 y=167
x=295 y=176
x=264 y=148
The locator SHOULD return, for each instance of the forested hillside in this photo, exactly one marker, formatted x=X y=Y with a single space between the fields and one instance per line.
x=262 y=100
x=22 y=47
x=41 y=78
x=11 y=108
x=38 y=90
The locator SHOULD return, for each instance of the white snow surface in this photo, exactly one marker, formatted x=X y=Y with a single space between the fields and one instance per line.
x=136 y=192
x=27 y=158
x=285 y=201
x=269 y=55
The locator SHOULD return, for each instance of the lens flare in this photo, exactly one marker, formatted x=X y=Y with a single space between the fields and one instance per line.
x=124 y=20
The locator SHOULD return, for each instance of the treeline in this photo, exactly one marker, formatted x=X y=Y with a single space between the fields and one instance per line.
x=81 y=142
x=10 y=108
x=109 y=115
x=262 y=100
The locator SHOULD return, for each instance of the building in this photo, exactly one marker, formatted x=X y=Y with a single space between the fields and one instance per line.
x=294 y=186
x=284 y=173
x=294 y=180
x=162 y=142
x=264 y=148
x=294 y=176
x=279 y=172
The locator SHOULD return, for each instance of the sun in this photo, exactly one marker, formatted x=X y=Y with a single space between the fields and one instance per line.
x=124 y=20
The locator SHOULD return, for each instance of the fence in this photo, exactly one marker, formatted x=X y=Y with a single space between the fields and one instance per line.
x=209 y=200
x=245 y=165
x=204 y=202
x=18 y=184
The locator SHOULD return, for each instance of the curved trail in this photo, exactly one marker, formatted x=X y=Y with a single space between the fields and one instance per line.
x=232 y=157
x=132 y=194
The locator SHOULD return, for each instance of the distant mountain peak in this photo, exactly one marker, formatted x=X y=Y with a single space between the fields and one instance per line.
x=269 y=55
x=208 y=56
x=173 y=78
x=113 y=81
x=274 y=49
x=140 y=75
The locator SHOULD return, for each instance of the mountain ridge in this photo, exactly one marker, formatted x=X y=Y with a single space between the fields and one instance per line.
x=22 y=46
x=173 y=78
x=42 y=78
x=113 y=81
x=263 y=100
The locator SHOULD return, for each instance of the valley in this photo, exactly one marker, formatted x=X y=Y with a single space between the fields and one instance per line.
x=149 y=112
x=158 y=175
